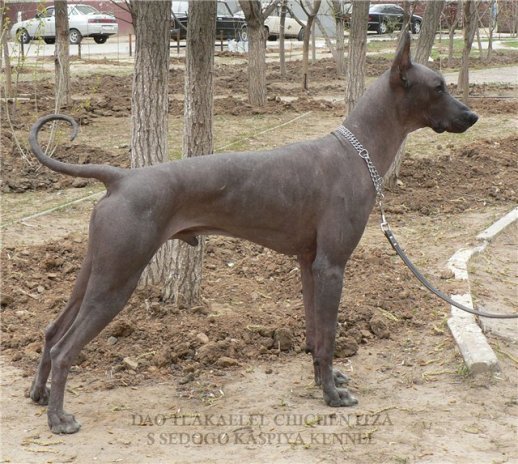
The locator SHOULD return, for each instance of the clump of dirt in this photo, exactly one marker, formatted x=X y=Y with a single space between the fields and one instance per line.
x=494 y=106
x=254 y=310
x=482 y=172
x=499 y=58
x=325 y=68
x=274 y=105
x=22 y=174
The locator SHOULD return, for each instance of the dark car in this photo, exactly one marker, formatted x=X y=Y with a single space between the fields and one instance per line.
x=384 y=18
x=228 y=25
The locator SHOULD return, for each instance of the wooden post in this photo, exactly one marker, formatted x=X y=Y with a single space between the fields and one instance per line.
x=178 y=42
x=79 y=50
x=221 y=40
x=130 y=45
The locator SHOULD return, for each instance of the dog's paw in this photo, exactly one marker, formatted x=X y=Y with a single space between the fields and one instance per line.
x=63 y=423
x=340 y=378
x=39 y=395
x=340 y=398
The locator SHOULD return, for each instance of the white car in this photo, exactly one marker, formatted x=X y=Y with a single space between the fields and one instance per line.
x=292 y=29
x=83 y=21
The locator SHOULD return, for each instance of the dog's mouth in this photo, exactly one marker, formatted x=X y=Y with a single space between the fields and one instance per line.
x=457 y=125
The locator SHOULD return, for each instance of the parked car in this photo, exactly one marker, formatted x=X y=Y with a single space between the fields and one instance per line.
x=384 y=18
x=292 y=28
x=229 y=25
x=83 y=21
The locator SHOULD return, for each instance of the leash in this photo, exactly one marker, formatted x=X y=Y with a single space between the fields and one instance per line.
x=377 y=180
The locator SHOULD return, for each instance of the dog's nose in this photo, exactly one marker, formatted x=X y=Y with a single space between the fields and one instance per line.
x=471 y=118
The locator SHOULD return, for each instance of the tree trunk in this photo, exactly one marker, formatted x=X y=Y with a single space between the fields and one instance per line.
x=256 y=63
x=313 y=44
x=340 y=38
x=256 y=49
x=329 y=44
x=62 y=56
x=453 y=26
x=477 y=33
x=355 y=74
x=149 y=105
x=307 y=35
x=186 y=274
x=406 y=15
x=493 y=12
x=431 y=18
x=282 y=48
x=392 y=175
x=5 y=59
x=470 y=26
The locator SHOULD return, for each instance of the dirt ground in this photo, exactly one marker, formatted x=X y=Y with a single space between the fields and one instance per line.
x=493 y=277
x=229 y=381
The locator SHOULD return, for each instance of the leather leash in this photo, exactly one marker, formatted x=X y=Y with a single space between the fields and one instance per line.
x=377 y=180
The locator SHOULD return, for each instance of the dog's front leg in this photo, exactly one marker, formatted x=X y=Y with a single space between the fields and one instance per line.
x=328 y=277
x=308 y=294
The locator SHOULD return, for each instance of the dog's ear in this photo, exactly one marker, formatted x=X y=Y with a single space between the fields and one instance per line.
x=402 y=62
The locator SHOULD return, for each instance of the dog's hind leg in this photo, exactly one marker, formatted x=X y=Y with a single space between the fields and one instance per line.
x=106 y=295
x=39 y=392
x=121 y=245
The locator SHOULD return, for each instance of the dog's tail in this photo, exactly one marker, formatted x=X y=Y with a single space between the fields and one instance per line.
x=106 y=174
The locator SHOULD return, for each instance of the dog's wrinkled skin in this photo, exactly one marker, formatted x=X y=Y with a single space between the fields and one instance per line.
x=310 y=199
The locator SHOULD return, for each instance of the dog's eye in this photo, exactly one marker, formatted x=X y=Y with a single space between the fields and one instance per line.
x=439 y=89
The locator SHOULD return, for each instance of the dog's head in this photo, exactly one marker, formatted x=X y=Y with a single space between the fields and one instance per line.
x=422 y=98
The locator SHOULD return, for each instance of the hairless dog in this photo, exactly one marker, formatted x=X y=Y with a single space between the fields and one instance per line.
x=310 y=199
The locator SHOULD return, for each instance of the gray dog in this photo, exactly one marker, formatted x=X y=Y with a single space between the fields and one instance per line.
x=310 y=199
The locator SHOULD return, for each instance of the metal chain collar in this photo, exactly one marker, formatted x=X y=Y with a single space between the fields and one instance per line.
x=377 y=180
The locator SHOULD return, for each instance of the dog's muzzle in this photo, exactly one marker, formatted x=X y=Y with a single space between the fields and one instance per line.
x=457 y=125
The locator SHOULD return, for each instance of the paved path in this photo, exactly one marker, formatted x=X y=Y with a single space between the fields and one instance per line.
x=504 y=75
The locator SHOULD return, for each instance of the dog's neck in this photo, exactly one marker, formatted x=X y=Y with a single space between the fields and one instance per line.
x=376 y=124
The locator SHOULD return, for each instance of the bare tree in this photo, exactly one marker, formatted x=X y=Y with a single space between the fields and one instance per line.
x=431 y=18
x=4 y=52
x=257 y=36
x=407 y=14
x=186 y=273
x=282 y=48
x=493 y=19
x=480 y=19
x=355 y=74
x=453 y=15
x=149 y=104
x=311 y=12
x=336 y=6
x=508 y=17
x=392 y=175
x=470 y=27
x=332 y=48
x=62 y=56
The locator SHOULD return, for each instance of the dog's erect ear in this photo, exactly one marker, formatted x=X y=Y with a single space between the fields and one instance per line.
x=402 y=62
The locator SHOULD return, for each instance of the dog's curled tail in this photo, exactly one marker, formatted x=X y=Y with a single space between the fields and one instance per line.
x=106 y=174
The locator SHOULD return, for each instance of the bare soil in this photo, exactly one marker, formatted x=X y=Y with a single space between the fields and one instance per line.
x=493 y=277
x=234 y=367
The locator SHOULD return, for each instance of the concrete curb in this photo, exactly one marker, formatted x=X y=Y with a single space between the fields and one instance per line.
x=478 y=355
